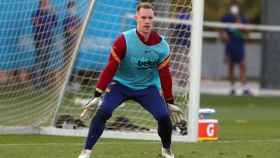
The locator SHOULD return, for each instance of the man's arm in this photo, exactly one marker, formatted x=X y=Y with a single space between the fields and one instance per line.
x=245 y=32
x=35 y=20
x=76 y=26
x=176 y=113
x=166 y=80
x=54 y=19
x=223 y=32
x=223 y=35
x=117 y=53
x=107 y=74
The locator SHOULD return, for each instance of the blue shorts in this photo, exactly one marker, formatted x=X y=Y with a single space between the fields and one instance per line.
x=235 y=52
x=149 y=98
x=236 y=58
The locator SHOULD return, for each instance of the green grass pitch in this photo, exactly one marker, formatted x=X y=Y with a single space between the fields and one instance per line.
x=249 y=128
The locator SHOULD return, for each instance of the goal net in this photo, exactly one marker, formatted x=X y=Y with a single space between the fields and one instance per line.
x=51 y=58
x=36 y=49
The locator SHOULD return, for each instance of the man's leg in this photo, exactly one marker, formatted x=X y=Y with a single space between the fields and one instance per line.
x=46 y=70
x=36 y=67
x=165 y=131
x=96 y=128
x=231 y=77
x=111 y=100
x=155 y=104
x=243 y=78
x=242 y=68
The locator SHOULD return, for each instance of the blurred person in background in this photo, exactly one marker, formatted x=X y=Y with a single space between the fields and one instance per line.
x=72 y=25
x=44 y=21
x=234 y=40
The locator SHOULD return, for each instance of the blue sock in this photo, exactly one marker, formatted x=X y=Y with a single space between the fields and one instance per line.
x=165 y=131
x=96 y=128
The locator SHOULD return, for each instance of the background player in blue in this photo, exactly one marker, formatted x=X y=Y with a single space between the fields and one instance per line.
x=72 y=24
x=138 y=68
x=234 y=39
x=44 y=21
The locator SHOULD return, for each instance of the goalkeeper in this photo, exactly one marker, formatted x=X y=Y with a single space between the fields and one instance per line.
x=138 y=68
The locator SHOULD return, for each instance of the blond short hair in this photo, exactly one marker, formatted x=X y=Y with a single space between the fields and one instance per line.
x=145 y=5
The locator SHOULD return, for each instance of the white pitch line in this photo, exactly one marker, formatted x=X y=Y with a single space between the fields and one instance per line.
x=143 y=142
x=250 y=141
x=70 y=144
x=42 y=144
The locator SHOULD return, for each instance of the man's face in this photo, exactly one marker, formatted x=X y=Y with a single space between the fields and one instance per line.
x=234 y=9
x=44 y=3
x=72 y=10
x=144 y=18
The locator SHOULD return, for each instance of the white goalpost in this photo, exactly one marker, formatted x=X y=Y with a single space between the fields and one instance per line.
x=195 y=66
x=44 y=94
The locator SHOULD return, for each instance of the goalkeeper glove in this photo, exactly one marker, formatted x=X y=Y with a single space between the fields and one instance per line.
x=177 y=117
x=91 y=106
